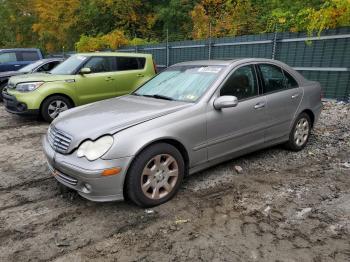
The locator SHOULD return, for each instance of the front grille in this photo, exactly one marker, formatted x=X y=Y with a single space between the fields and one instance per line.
x=58 y=140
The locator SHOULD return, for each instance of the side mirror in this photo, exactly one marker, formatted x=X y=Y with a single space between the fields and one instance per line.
x=225 y=102
x=85 y=70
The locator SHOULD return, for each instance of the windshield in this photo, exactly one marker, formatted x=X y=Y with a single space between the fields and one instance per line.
x=30 y=67
x=181 y=83
x=69 y=66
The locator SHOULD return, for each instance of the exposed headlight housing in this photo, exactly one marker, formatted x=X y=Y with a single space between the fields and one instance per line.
x=28 y=87
x=93 y=150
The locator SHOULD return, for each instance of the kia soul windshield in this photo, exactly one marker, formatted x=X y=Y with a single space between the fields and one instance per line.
x=69 y=66
x=181 y=83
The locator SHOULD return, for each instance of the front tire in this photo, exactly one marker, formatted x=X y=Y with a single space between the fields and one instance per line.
x=300 y=133
x=53 y=106
x=155 y=175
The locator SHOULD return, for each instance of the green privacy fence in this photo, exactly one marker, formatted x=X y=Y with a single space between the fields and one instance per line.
x=324 y=58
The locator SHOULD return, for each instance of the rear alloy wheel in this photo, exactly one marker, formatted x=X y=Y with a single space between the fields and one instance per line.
x=300 y=133
x=155 y=175
x=53 y=106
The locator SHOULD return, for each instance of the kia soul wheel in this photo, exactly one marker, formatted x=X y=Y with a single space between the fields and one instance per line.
x=155 y=175
x=53 y=106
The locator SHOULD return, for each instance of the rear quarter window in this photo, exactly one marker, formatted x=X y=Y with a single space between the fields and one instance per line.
x=273 y=78
x=290 y=81
x=130 y=63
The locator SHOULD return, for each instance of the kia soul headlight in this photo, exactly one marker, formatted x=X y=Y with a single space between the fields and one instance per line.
x=28 y=87
x=93 y=150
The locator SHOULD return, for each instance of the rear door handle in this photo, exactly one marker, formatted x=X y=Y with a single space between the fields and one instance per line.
x=17 y=65
x=140 y=75
x=108 y=78
x=295 y=96
x=259 y=105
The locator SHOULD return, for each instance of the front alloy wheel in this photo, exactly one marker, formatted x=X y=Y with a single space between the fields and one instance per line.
x=56 y=107
x=159 y=176
x=53 y=106
x=155 y=175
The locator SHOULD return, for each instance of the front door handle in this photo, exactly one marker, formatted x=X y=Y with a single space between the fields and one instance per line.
x=17 y=65
x=295 y=96
x=140 y=75
x=108 y=78
x=259 y=105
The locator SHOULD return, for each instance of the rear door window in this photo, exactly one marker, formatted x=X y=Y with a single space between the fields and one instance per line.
x=29 y=55
x=100 y=64
x=130 y=63
x=8 y=57
x=272 y=78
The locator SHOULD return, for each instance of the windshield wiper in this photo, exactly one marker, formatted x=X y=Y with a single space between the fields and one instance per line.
x=156 y=96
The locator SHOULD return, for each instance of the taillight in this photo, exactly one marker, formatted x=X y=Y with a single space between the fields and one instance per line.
x=155 y=67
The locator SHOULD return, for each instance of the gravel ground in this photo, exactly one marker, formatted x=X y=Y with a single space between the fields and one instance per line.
x=283 y=206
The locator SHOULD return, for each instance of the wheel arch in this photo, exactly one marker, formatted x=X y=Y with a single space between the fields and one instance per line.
x=4 y=81
x=57 y=94
x=171 y=141
x=311 y=115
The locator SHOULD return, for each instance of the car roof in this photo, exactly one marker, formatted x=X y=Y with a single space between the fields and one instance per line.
x=19 y=49
x=51 y=59
x=226 y=62
x=114 y=54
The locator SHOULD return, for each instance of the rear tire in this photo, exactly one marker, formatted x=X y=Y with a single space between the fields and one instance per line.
x=2 y=86
x=155 y=175
x=300 y=133
x=53 y=106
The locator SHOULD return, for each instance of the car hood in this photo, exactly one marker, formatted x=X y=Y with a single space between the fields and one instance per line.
x=110 y=116
x=10 y=73
x=36 y=77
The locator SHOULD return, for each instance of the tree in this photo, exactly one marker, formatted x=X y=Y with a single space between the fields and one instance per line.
x=16 y=18
x=55 y=23
x=224 y=18
x=100 y=24
x=174 y=16
x=112 y=40
x=332 y=13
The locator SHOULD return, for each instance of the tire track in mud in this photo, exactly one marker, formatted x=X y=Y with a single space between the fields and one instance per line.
x=12 y=139
x=214 y=221
x=23 y=232
x=44 y=222
x=33 y=191
x=30 y=183
x=186 y=205
x=18 y=178
x=9 y=121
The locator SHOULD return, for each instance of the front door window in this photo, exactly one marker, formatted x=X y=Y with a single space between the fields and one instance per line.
x=241 y=84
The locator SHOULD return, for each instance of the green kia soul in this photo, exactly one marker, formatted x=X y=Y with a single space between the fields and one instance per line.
x=81 y=79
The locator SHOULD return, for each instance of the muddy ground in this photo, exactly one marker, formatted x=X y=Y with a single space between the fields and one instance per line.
x=284 y=206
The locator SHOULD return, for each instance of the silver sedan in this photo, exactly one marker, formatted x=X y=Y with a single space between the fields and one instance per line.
x=187 y=118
